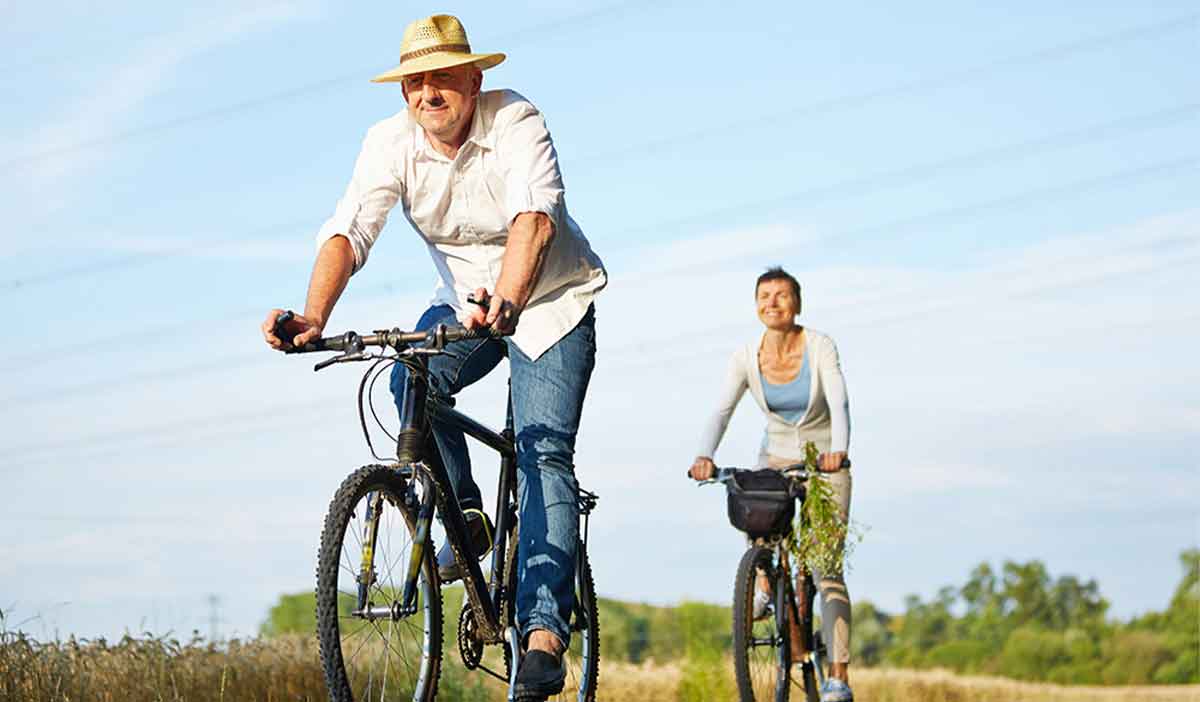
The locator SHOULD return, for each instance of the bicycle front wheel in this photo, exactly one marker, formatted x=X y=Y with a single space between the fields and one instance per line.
x=371 y=651
x=761 y=645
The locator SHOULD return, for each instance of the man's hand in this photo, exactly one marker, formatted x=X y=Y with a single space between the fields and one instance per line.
x=501 y=313
x=703 y=468
x=298 y=331
x=831 y=462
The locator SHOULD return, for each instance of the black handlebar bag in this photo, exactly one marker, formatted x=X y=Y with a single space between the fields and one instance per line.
x=762 y=502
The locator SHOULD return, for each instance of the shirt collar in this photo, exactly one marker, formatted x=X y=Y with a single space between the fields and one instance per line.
x=479 y=134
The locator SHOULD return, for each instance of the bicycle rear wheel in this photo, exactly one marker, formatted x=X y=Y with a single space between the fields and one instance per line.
x=385 y=656
x=582 y=657
x=761 y=648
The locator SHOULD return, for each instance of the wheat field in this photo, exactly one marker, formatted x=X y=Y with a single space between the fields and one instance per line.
x=287 y=669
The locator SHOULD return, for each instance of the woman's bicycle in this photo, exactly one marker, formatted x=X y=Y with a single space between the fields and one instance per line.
x=767 y=643
x=379 y=602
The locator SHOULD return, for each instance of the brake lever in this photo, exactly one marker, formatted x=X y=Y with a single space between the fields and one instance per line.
x=345 y=358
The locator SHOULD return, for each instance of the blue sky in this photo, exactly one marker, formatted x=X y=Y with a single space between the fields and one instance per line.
x=992 y=210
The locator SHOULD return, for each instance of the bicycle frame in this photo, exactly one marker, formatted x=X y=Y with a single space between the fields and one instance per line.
x=416 y=446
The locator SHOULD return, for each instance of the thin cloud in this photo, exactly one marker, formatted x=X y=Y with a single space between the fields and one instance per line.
x=111 y=102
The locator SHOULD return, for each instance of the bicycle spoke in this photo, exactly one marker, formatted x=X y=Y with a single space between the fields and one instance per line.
x=386 y=663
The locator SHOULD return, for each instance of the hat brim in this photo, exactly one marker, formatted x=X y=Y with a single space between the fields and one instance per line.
x=437 y=61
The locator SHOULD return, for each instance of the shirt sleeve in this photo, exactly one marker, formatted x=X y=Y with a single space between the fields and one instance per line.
x=833 y=384
x=532 y=180
x=373 y=190
x=731 y=393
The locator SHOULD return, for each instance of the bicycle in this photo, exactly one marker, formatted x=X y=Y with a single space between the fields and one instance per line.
x=762 y=503
x=379 y=604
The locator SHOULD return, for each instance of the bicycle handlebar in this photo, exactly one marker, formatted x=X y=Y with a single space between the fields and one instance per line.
x=796 y=471
x=395 y=338
x=352 y=345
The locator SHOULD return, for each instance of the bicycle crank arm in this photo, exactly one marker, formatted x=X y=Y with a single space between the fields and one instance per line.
x=816 y=661
x=514 y=647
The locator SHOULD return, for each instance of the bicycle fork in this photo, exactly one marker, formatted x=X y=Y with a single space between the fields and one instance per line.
x=366 y=572
x=406 y=605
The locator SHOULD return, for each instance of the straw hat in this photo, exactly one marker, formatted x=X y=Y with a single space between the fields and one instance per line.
x=433 y=43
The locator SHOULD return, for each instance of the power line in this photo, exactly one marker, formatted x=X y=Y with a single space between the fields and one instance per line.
x=825 y=106
x=929 y=83
x=1007 y=203
x=523 y=35
x=148 y=257
x=1097 y=132
x=904 y=175
x=226 y=427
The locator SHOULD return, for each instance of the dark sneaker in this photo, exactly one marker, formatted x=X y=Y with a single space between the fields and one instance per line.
x=479 y=534
x=541 y=674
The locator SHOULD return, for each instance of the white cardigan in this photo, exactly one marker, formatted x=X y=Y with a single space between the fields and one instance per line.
x=826 y=422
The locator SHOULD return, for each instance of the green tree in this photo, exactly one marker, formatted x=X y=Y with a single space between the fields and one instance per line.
x=1025 y=592
x=1180 y=625
x=872 y=635
x=705 y=673
x=292 y=614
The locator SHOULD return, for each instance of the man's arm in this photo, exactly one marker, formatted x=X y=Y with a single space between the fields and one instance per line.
x=529 y=238
x=331 y=272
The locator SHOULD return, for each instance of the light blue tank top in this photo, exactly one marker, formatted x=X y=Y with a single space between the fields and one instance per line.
x=789 y=400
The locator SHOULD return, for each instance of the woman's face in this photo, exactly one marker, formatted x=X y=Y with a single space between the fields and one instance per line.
x=777 y=304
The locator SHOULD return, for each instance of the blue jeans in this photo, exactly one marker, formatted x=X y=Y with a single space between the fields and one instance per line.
x=547 y=397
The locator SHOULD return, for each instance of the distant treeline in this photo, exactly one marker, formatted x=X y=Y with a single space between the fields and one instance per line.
x=1021 y=623
x=1017 y=622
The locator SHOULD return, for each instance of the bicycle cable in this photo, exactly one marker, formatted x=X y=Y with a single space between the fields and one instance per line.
x=373 y=374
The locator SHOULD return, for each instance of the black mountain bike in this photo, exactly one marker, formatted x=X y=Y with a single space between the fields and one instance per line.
x=379 y=603
x=768 y=643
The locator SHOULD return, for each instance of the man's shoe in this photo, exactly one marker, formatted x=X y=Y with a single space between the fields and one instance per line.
x=541 y=674
x=835 y=690
x=479 y=537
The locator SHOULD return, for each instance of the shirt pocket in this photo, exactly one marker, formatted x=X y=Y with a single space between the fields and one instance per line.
x=488 y=197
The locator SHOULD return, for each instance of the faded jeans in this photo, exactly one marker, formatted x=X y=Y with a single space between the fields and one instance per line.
x=547 y=399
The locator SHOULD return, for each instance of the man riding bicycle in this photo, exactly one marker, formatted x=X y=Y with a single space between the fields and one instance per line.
x=476 y=175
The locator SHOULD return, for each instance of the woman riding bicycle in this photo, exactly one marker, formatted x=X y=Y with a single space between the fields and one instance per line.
x=795 y=376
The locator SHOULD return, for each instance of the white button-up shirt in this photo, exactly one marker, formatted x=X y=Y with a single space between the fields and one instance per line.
x=462 y=208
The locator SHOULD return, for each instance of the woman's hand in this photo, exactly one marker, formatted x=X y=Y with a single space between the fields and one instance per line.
x=831 y=462
x=702 y=468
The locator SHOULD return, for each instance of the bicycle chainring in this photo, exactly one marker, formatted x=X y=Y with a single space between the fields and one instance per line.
x=470 y=642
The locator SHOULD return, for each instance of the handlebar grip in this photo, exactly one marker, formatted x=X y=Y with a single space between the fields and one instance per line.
x=476 y=333
x=278 y=328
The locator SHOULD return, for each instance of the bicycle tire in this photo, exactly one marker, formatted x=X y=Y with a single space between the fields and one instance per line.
x=761 y=649
x=402 y=657
x=808 y=672
x=583 y=655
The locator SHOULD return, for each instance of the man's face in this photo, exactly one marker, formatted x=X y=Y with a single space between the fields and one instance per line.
x=443 y=101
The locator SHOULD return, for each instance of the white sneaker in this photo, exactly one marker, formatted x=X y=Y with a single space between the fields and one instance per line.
x=762 y=604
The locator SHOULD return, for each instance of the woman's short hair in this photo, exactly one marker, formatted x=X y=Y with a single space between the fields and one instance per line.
x=777 y=273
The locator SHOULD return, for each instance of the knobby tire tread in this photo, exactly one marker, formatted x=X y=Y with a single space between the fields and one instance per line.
x=592 y=610
x=743 y=623
x=337 y=520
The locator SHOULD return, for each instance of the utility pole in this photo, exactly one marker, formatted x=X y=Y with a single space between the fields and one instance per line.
x=214 y=617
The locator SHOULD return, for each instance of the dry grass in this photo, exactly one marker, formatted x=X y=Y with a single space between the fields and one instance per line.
x=287 y=669
x=943 y=686
x=159 y=670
